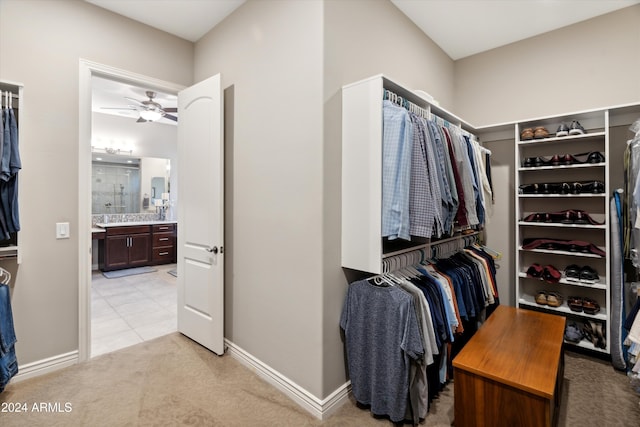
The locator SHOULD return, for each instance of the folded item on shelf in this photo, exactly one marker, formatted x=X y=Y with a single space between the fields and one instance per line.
x=562 y=245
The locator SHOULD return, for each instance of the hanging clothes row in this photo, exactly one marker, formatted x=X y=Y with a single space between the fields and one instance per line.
x=632 y=342
x=10 y=165
x=403 y=328
x=435 y=176
x=8 y=361
x=629 y=331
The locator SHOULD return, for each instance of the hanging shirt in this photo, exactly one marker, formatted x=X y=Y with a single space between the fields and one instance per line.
x=422 y=206
x=396 y=171
x=379 y=352
x=461 y=211
x=466 y=175
x=446 y=206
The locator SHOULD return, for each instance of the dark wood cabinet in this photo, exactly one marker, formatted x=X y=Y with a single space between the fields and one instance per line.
x=126 y=247
x=137 y=246
x=163 y=246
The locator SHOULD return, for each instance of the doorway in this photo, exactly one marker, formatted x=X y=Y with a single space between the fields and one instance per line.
x=138 y=292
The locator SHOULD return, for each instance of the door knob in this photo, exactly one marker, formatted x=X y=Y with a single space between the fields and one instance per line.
x=213 y=249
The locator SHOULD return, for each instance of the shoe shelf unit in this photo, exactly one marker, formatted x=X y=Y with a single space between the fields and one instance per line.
x=363 y=247
x=557 y=164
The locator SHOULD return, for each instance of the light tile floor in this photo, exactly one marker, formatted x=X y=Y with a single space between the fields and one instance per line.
x=132 y=309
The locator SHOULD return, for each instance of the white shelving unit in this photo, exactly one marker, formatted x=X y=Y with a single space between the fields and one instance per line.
x=363 y=247
x=596 y=139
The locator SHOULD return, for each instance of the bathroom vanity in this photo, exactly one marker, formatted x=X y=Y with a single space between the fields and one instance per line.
x=136 y=244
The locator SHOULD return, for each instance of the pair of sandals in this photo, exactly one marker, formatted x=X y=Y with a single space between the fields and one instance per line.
x=547 y=273
x=569 y=216
x=583 y=304
x=585 y=274
x=593 y=157
x=552 y=299
x=578 y=187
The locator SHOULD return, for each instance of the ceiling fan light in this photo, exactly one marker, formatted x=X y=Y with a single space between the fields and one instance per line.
x=150 y=115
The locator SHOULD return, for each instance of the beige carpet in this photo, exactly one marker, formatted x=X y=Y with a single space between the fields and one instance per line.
x=172 y=381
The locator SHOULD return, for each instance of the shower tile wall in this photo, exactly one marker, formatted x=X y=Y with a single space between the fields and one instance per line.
x=115 y=189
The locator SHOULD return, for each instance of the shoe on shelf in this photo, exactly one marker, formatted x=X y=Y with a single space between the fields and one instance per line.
x=573 y=332
x=540 y=132
x=551 y=274
x=526 y=134
x=590 y=306
x=554 y=299
x=575 y=303
x=541 y=298
x=595 y=157
x=588 y=275
x=563 y=130
x=576 y=128
x=601 y=341
x=531 y=162
x=535 y=271
x=572 y=272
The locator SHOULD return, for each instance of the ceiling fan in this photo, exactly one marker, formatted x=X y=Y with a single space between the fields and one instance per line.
x=149 y=110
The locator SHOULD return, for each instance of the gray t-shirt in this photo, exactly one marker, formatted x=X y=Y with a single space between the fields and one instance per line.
x=382 y=335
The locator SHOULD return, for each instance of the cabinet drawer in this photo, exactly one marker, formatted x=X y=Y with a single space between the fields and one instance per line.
x=163 y=239
x=162 y=254
x=134 y=229
x=161 y=228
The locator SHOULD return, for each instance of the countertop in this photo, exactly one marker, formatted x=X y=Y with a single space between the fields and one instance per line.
x=131 y=223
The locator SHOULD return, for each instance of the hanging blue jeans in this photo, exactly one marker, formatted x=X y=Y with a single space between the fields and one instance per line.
x=8 y=361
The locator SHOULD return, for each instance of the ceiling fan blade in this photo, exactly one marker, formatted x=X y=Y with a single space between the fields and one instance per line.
x=135 y=100
x=131 y=107
x=170 y=117
x=170 y=110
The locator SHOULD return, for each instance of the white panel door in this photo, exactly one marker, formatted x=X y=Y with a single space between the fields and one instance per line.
x=200 y=214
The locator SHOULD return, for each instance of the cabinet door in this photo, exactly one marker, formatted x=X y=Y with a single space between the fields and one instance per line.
x=139 y=249
x=116 y=252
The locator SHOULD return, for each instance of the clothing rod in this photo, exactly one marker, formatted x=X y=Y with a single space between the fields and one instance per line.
x=452 y=238
x=404 y=102
x=405 y=251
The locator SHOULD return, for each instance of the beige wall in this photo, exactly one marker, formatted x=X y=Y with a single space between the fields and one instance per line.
x=270 y=53
x=284 y=60
x=592 y=64
x=41 y=44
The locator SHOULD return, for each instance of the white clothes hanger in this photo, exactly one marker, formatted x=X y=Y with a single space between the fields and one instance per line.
x=5 y=276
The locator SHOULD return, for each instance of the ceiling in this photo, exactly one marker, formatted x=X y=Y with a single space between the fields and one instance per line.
x=460 y=27
x=107 y=96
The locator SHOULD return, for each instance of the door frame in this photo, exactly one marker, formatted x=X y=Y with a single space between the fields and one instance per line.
x=88 y=69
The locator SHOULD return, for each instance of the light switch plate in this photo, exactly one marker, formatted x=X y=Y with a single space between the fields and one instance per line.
x=62 y=230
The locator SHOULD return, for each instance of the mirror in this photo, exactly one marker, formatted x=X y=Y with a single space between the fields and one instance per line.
x=125 y=184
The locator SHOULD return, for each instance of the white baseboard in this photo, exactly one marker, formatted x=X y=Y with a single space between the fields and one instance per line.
x=45 y=366
x=319 y=408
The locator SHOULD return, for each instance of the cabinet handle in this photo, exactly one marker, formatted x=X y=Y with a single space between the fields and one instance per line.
x=163 y=253
x=162 y=239
x=163 y=228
